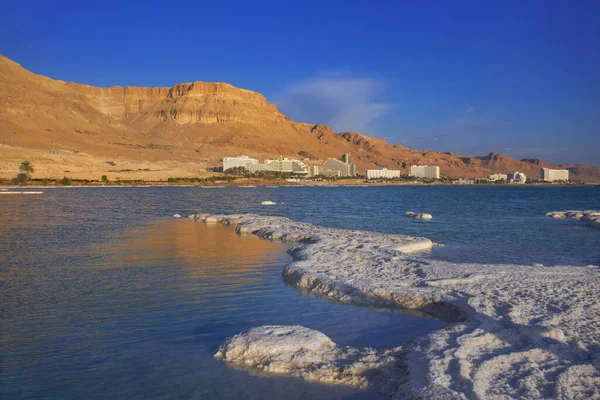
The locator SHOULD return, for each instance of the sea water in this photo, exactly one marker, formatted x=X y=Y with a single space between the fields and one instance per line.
x=104 y=296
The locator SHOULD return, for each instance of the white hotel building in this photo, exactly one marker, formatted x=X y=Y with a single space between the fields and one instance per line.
x=278 y=165
x=383 y=173
x=425 y=171
x=552 y=175
x=287 y=165
x=241 y=161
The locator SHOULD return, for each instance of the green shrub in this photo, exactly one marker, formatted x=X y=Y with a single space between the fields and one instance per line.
x=65 y=181
x=20 y=179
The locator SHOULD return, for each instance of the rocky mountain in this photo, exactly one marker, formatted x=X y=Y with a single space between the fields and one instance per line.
x=201 y=122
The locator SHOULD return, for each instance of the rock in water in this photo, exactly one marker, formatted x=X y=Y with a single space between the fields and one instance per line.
x=268 y=203
x=418 y=215
x=176 y=216
x=591 y=217
x=311 y=355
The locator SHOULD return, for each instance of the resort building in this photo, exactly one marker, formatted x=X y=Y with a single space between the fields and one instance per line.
x=383 y=173
x=330 y=172
x=552 y=175
x=498 y=177
x=425 y=171
x=342 y=166
x=254 y=168
x=241 y=161
x=286 y=165
x=313 y=170
x=517 y=177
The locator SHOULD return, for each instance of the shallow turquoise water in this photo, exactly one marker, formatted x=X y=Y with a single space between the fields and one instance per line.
x=102 y=296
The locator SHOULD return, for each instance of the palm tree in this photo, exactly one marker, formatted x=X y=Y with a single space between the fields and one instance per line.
x=26 y=167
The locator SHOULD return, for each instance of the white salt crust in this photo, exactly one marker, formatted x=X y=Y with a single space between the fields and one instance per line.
x=515 y=331
x=590 y=217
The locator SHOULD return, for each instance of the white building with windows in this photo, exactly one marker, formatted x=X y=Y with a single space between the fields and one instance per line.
x=383 y=173
x=498 y=177
x=254 y=168
x=343 y=166
x=287 y=165
x=241 y=161
x=425 y=171
x=517 y=177
x=551 y=175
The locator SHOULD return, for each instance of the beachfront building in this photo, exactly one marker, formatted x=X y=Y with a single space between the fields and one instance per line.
x=241 y=161
x=331 y=172
x=498 y=177
x=517 y=177
x=383 y=173
x=425 y=171
x=343 y=166
x=313 y=170
x=287 y=165
x=552 y=175
x=255 y=168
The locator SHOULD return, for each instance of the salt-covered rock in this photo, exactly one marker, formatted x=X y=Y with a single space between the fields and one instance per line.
x=268 y=203
x=517 y=331
x=556 y=214
x=309 y=354
x=418 y=215
x=590 y=217
x=176 y=216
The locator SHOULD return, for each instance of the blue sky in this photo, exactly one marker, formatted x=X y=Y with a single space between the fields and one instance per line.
x=471 y=77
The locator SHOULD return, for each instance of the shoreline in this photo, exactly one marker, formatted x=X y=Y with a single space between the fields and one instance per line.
x=273 y=184
x=501 y=330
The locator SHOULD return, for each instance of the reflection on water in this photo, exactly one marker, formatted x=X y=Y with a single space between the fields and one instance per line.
x=101 y=297
x=137 y=312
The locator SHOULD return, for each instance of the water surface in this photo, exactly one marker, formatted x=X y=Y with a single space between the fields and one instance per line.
x=103 y=296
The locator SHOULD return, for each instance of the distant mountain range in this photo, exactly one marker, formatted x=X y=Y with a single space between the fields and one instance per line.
x=203 y=122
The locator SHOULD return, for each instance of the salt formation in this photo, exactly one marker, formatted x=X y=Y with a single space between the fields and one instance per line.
x=418 y=215
x=268 y=203
x=591 y=217
x=516 y=331
x=309 y=354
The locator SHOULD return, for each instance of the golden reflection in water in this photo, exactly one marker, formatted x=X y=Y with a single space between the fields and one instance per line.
x=201 y=251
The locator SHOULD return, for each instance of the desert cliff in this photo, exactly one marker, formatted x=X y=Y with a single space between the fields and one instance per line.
x=181 y=130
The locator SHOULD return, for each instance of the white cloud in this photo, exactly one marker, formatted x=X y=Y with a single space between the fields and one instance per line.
x=345 y=103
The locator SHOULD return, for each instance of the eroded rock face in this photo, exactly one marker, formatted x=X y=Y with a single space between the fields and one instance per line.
x=309 y=354
x=207 y=120
x=517 y=331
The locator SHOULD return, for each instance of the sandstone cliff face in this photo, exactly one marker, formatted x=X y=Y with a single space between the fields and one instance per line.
x=203 y=120
x=119 y=102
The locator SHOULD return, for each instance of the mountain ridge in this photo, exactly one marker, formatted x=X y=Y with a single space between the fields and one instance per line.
x=201 y=122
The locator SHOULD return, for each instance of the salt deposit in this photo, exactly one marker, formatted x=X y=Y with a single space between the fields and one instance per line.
x=591 y=217
x=268 y=203
x=418 y=215
x=516 y=331
x=309 y=354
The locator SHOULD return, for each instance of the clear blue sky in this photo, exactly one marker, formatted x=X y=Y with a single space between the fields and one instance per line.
x=471 y=77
